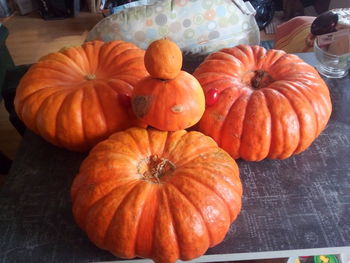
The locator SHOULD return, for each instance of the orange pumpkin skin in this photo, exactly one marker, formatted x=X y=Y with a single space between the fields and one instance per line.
x=169 y=105
x=262 y=103
x=163 y=59
x=78 y=96
x=154 y=194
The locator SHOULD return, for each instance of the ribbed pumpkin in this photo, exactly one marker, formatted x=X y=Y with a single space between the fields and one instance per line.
x=170 y=99
x=262 y=103
x=78 y=96
x=156 y=194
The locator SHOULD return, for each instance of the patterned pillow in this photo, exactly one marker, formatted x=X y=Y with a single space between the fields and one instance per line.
x=197 y=26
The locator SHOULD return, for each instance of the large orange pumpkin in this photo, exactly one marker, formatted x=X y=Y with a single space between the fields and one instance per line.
x=155 y=194
x=78 y=96
x=169 y=99
x=262 y=103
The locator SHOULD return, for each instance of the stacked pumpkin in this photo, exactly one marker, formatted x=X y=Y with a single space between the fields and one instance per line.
x=161 y=193
x=165 y=193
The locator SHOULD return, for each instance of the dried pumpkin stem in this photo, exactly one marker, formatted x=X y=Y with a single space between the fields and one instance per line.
x=261 y=79
x=157 y=168
x=90 y=76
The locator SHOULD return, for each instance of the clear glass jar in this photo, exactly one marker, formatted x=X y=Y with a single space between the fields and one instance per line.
x=330 y=65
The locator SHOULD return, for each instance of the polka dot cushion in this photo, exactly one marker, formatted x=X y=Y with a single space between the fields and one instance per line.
x=197 y=26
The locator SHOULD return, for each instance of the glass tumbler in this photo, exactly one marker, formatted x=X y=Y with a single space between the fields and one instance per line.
x=330 y=65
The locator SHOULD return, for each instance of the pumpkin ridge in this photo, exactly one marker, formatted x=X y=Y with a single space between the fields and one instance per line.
x=245 y=121
x=184 y=137
x=231 y=108
x=83 y=188
x=82 y=185
x=215 y=69
x=116 y=210
x=306 y=100
x=92 y=51
x=204 y=223
x=84 y=135
x=117 y=89
x=150 y=144
x=185 y=166
x=176 y=234
x=225 y=56
x=73 y=76
x=154 y=223
x=56 y=78
x=300 y=89
x=24 y=99
x=144 y=190
x=90 y=137
x=228 y=206
x=178 y=140
x=57 y=109
x=115 y=51
x=79 y=55
x=70 y=95
x=284 y=135
x=35 y=123
x=164 y=143
x=130 y=60
x=125 y=77
x=164 y=199
x=271 y=59
x=128 y=156
x=209 y=73
x=154 y=195
x=236 y=60
x=267 y=63
x=133 y=69
x=167 y=139
x=139 y=153
x=321 y=99
x=193 y=157
x=82 y=53
x=137 y=142
x=108 y=48
x=245 y=54
x=76 y=66
x=114 y=63
x=221 y=81
x=212 y=81
x=100 y=59
x=113 y=57
x=102 y=110
x=41 y=102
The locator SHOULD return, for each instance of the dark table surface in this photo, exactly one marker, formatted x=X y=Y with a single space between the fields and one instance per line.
x=298 y=205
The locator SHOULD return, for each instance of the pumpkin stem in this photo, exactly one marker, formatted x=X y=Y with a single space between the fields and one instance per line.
x=261 y=79
x=90 y=76
x=156 y=168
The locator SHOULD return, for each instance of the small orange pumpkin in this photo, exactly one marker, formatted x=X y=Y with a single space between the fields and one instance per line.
x=78 y=96
x=155 y=194
x=168 y=104
x=163 y=59
x=262 y=103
